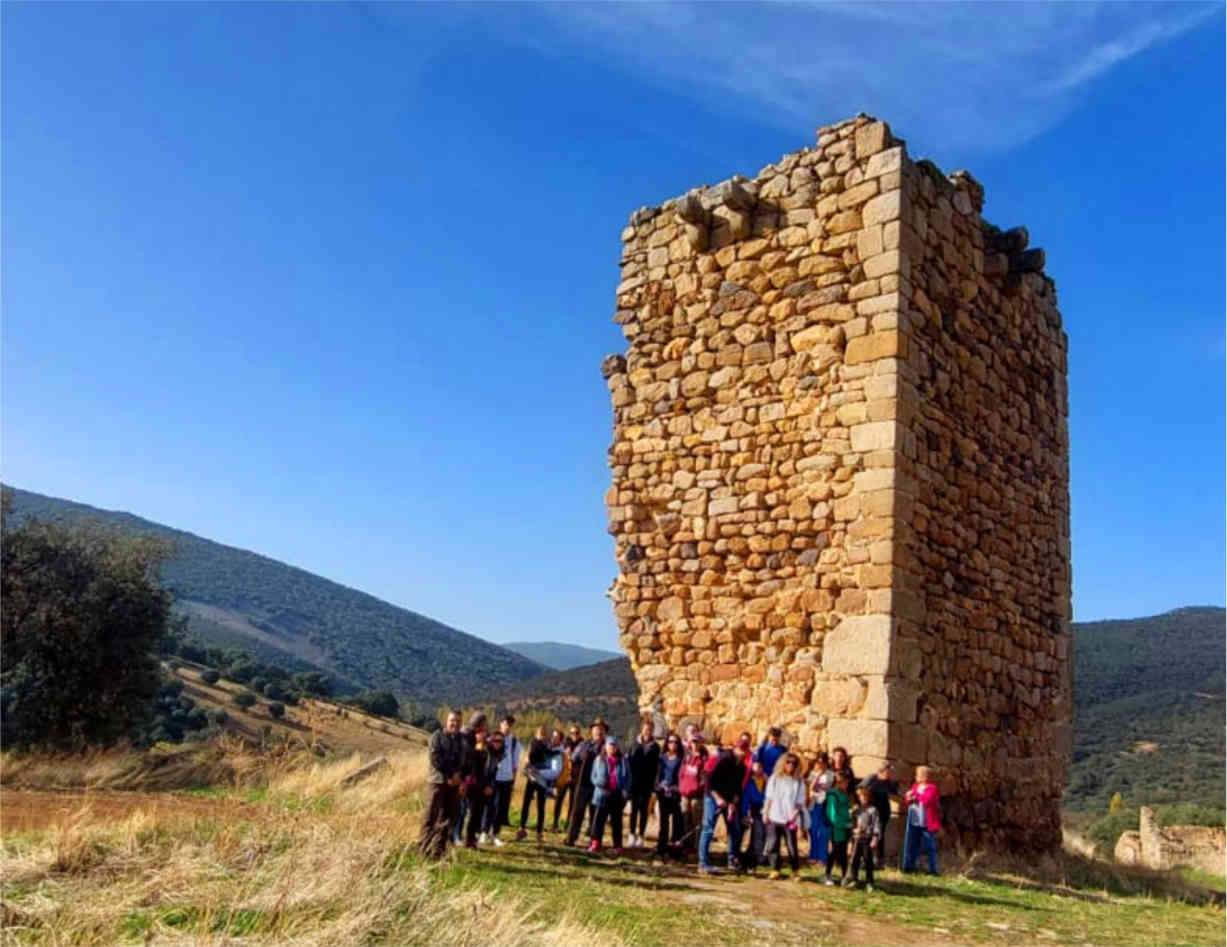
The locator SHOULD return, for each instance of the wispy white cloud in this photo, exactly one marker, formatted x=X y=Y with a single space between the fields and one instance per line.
x=967 y=77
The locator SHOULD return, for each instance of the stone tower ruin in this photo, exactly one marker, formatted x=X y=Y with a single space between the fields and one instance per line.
x=840 y=496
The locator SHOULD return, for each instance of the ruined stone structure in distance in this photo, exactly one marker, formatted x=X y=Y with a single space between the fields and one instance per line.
x=840 y=496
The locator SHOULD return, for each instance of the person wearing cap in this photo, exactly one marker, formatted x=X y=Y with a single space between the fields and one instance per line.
x=726 y=770
x=771 y=750
x=692 y=785
x=583 y=757
x=882 y=787
x=644 y=761
x=611 y=781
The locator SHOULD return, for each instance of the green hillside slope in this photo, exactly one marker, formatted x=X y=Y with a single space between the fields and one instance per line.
x=1149 y=699
x=235 y=598
x=560 y=656
x=606 y=690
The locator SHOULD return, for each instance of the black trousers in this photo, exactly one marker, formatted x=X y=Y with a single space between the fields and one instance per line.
x=881 y=854
x=862 y=852
x=579 y=808
x=442 y=806
x=478 y=803
x=669 y=808
x=533 y=789
x=566 y=793
x=756 y=841
x=640 y=798
x=610 y=811
x=771 y=846
x=838 y=856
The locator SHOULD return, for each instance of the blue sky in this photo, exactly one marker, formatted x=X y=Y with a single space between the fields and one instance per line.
x=333 y=282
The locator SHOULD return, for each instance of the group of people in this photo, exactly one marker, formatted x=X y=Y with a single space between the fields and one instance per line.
x=766 y=796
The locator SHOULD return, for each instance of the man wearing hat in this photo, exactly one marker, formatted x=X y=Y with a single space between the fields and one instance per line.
x=583 y=756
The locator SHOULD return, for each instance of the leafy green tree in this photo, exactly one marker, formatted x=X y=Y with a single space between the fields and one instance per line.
x=82 y=615
x=210 y=676
x=244 y=699
x=380 y=703
x=276 y=709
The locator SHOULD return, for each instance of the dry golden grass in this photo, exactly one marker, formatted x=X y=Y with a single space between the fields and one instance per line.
x=314 y=864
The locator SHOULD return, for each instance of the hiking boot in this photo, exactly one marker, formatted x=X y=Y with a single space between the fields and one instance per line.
x=483 y=838
x=870 y=888
x=594 y=846
x=470 y=843
x=521 y=835
x=774 y=876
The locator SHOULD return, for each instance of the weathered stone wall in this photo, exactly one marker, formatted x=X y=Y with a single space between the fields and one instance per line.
x=840 y=497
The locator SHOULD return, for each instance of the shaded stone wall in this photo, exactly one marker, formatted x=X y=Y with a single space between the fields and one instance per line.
x=839 y=496
x=1163 y=849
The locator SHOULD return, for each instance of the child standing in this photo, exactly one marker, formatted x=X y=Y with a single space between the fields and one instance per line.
x=923 y=821
x=839 y=815
x=822 y=778
x=866 y=837
x=753 y=797
x=784 y=800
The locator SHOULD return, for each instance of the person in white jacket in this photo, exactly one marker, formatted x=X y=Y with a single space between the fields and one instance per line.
x=783 y=805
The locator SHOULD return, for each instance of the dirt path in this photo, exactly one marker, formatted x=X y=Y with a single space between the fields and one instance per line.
x=28 y=810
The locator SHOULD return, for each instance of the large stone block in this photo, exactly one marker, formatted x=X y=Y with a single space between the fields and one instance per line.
x=860 y=644
x=859 y=737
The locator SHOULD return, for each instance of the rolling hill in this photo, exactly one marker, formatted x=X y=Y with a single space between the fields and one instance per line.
x=606 y=690
x=288 y=616
x=559 y=656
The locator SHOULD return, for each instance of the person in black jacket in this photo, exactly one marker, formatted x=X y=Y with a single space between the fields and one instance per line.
x=473 y=731
x=447 y=759
x=644 y=760
x=479 y=780
x=538 y=758
x=723 y=802
x=582 y=758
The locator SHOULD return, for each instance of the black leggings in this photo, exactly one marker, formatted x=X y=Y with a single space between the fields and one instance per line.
x=533 y=789
x=611 y=810
x=639 y=811
x=863 y=853
x=839 y=856
x=669 y=808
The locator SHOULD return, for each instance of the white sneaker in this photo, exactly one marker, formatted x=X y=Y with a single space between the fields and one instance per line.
x=632 y=842
x=483 y=839
x=498 y=842
x=638 y=841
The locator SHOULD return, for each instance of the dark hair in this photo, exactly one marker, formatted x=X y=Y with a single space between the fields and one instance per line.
x=775 y=732
x=509 y=719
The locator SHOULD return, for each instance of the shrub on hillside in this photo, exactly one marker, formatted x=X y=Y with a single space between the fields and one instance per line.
x=276 y=709
x=210 y=676
x=380 y=703
x=244 y=699
x=82 y=614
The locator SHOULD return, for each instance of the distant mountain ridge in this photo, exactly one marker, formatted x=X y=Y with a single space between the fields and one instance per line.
x=560 y=656
x=236 y=598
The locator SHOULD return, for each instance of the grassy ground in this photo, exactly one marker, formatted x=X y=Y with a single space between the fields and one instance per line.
x=302 y=861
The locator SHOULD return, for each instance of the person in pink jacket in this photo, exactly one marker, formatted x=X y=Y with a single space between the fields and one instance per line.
x=924 y=821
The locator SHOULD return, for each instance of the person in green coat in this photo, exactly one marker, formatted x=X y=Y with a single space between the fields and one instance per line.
x=839 y=815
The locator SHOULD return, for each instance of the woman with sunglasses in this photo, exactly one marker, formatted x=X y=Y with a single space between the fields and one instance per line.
x=669 y=797
x=784 y=800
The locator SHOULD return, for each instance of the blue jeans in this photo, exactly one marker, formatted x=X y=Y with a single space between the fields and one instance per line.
x=712 y=813
x=914 y=837
x=819 y=833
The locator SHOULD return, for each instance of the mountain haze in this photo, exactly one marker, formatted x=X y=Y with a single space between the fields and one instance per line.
x=560 y=656
x=236 y=598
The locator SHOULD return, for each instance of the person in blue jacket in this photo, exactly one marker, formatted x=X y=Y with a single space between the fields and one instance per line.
x=771 y=750
x=753 y=827
x=611 y=783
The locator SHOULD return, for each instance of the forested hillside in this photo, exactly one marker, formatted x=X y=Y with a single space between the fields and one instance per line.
x=1149 y=699
x=235 y=598
x=559 y=656
x=606 y=690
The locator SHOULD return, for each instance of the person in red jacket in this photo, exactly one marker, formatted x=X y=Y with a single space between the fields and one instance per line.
x=924 y=820
x=692 y=785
